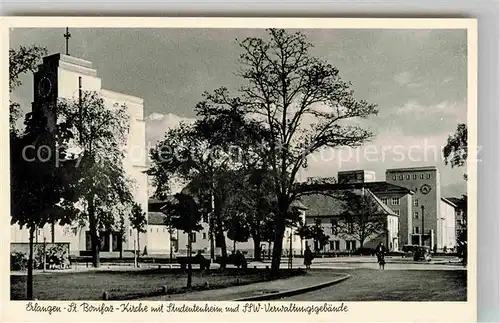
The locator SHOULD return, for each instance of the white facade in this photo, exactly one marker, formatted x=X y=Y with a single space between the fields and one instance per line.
x=447 y=224
x=72 y=72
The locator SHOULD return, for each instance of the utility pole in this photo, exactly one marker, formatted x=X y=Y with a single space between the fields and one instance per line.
x=423 y=231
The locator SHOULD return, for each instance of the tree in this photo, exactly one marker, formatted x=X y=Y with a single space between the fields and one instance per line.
x=183 y=213
x=318 y=235
x=304 y=232
x=41 y=173
x=302 y=103
x=363 y=218
x=22 y=60
x=237 y=229
x=98 y=140
x=122 y=233
x=138 y=221
x=186 y=154
x=455 y=151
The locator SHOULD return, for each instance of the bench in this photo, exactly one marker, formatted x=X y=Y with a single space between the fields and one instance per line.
x=234 y=260
x=202 y=261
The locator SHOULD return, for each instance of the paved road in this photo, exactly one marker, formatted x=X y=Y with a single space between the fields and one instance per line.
x=401 y=285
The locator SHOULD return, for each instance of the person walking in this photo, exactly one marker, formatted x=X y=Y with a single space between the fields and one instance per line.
x=308 y=257
x=380 y=252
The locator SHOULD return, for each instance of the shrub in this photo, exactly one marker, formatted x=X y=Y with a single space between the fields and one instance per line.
x=18 y=261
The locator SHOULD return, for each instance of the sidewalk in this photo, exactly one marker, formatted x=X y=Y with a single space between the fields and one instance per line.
x=311 y=279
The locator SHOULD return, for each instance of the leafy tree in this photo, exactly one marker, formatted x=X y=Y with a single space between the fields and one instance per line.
x=22 y=60
x=187 y=155
x=304 y=232
x=302 y=103
x=183 y=213
x=318 y=235
x=455 y=151
x=41 y=173
x=238 y=229
x=98 y=139
x=122 y=232
x=363 y=217
x=138 y=221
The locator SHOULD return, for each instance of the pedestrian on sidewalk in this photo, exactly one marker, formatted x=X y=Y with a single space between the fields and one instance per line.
x=308 y=257
x=380 y=252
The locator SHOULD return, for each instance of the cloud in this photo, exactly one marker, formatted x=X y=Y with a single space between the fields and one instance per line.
x=158 y=123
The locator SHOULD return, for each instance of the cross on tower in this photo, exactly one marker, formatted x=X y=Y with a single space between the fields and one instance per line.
x=67 y=35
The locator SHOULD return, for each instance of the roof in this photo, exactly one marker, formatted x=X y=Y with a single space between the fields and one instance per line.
x=156 y=218
x=454 y=200
x=329 y=206
x=409 y=169
x=449 y=202
x=298 y=205
x=375 y=187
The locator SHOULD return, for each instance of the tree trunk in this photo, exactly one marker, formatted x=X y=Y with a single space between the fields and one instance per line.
x=234 y=246
x=256 y=248
x=53 y=232
x=278 y=241
x=94 y=238
x=171 y=245
x=190 y=267
x=268 y=250
x=138 y=246
x=29 y=280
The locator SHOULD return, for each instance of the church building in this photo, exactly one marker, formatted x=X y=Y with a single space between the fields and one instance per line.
x=64 y=76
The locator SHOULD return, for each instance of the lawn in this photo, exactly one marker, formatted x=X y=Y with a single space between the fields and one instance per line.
x=130 y=284
x=392 y=285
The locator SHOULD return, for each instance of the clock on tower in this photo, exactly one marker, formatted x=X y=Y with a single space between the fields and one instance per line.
x=46 y=86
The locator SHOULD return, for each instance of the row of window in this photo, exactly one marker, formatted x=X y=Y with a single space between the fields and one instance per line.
x=395 y=201
x=193 y=235
x=349 y=245
x=408 y=176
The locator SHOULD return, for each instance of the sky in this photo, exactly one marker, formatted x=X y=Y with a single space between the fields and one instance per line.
x=418 y=79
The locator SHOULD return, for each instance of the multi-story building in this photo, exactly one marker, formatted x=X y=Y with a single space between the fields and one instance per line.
x=432 y=221
x=395 y=202
x=62 y=76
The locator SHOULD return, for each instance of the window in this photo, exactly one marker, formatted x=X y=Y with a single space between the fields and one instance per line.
x=163 y=230
x=151 y=230
x=130 y=232
x=414 y=176
x=157 y=230
x=407 y=177
x=415 y=215
x=421 y=176
x=193 y=237
x=350 y=244
x=416 y=230
x=394 y=177
x=335 y=245
x=204 y=236
x=395 y=201
x=351 y=228
x=401 y=177
x=415 y=202
x=334 y=226
x=397 y=212
x=384 y=201
x=428 y=176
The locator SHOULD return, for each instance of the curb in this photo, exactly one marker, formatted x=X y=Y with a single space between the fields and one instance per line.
x=293 y=292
